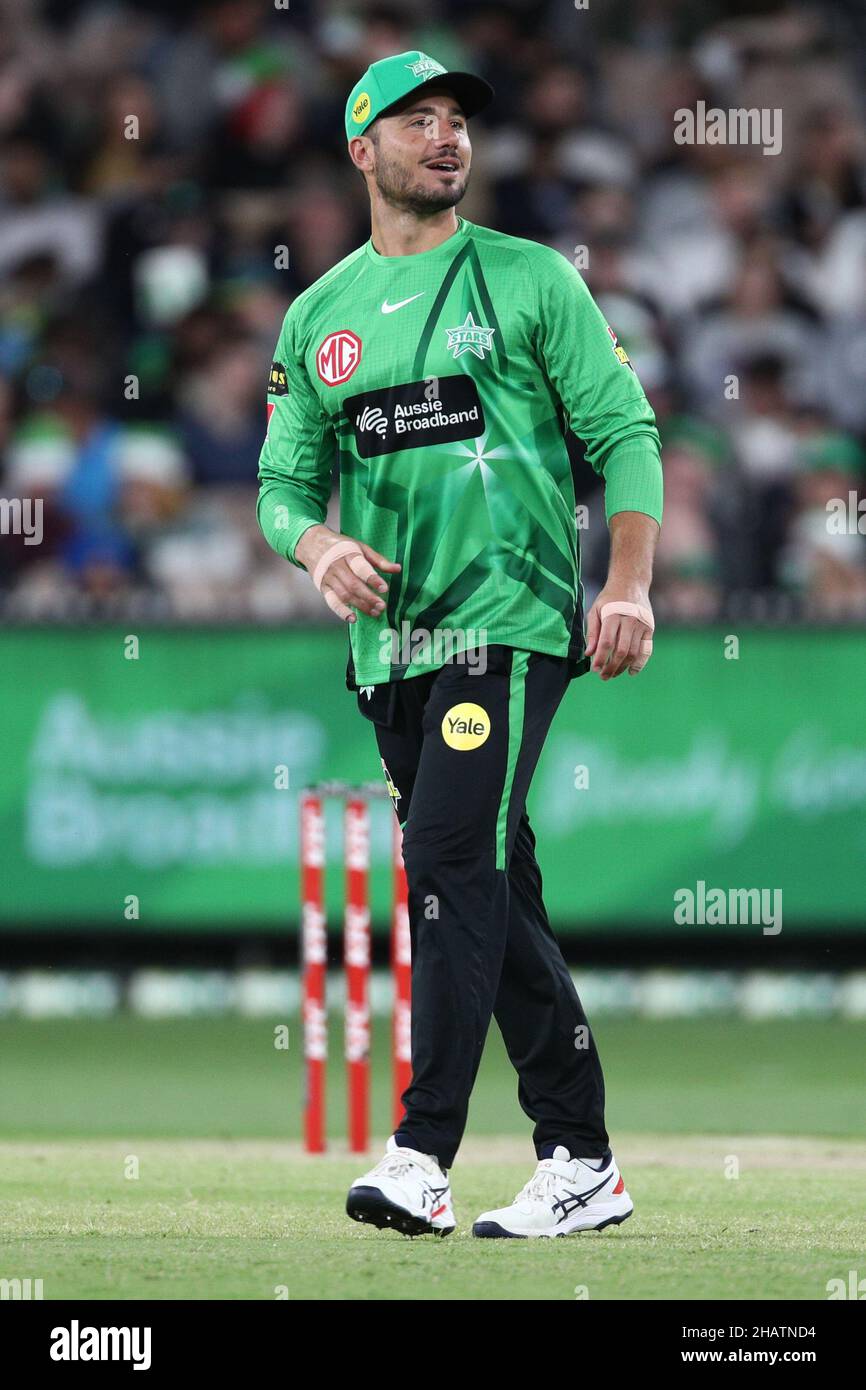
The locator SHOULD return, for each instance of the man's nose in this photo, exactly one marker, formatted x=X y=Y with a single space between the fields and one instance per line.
x=442 y=133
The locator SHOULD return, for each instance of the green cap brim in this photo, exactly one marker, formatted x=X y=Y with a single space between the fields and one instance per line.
x=472 y=92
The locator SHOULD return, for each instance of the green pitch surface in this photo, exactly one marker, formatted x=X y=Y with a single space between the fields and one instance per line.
x=156 y=1160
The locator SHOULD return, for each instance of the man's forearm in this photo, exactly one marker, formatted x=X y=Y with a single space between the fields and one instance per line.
x=633 y=539
x=312 y=545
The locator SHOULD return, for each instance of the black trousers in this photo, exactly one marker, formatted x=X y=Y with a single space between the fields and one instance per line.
x=459 y=749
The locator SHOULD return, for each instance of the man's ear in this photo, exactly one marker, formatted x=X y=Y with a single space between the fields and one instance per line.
x=361 y=152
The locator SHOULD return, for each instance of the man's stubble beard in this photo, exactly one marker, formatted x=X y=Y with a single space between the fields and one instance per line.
x=394 y=185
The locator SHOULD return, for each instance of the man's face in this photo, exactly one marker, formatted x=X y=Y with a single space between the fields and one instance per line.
x=420 y=157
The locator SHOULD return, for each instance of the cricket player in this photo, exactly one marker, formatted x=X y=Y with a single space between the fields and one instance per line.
x=440 y=364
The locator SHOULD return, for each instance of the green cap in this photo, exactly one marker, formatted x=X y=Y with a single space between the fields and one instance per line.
x=387 y=82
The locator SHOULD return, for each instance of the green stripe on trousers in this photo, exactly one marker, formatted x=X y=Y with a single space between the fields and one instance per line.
x=516 y=705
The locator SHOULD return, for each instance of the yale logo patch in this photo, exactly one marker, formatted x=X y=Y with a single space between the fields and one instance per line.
x=361 y=109
x=466 y=726
x=619 y=352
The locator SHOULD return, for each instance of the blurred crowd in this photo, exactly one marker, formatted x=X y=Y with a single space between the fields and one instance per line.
x=171 y=176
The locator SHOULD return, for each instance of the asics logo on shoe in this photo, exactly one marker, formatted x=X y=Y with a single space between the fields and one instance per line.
x=392 y=308
x=572 y=1200
x=433 y=1194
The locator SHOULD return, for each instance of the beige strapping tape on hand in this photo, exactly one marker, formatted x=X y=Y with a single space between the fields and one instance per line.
x=349 y=550
x=633 y=610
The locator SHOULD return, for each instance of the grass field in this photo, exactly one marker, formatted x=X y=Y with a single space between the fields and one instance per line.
x=226 y=1206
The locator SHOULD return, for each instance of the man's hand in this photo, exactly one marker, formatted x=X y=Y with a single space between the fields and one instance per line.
x=351 y=580
x=615 y=639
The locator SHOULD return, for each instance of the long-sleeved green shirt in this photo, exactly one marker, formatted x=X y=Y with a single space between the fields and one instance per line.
x=444 y=382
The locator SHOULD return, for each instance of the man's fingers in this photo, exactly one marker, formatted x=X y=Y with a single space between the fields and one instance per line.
x=621 y=649
x=622 y=652
x=631 y=646
x=593 y=628
x=338 y=606
x=380 y=561
x=634 y=647
x=362 y=569
x=360 y=594
x=344 y=573
x=645 y=651
x=626 y=649
x=360 y=566
x=351 y=589
x=606 y=642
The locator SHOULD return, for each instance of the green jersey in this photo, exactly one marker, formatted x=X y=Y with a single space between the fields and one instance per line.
x=443 y=384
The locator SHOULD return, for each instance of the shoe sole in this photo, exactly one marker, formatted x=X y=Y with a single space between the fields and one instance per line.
x=368 y=1204
x=491 y=1230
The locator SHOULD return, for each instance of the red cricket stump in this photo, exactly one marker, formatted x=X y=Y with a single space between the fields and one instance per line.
x=356 y=948
x=401 y=974
x=315 y=957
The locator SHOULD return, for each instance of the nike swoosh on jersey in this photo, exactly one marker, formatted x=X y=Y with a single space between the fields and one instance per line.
x=389 y=308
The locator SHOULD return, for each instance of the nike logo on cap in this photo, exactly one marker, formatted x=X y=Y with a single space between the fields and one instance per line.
x=389 y=308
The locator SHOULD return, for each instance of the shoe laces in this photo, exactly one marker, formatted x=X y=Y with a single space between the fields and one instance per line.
x=540 y=1186
x=395 y=1165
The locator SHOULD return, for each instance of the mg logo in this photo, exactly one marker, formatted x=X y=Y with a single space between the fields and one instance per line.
x=338 y=357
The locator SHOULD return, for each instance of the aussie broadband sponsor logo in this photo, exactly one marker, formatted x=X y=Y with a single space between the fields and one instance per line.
x=77 y=1343
x=409 y=417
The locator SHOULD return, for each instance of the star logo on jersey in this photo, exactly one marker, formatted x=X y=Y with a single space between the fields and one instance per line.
x=470 y=337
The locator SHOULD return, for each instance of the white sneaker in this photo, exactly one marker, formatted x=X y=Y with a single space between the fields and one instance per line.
x=563 y=1196
x=406 y=1191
